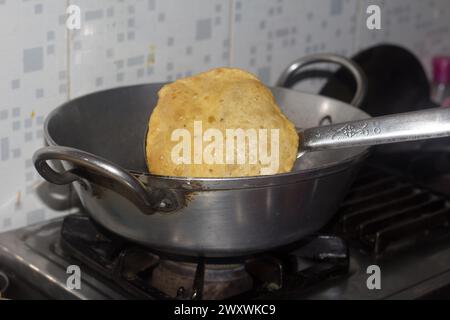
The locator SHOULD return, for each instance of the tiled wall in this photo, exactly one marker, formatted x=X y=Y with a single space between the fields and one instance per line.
x=127 y=42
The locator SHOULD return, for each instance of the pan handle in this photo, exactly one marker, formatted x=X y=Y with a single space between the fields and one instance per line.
x=123 y=182
x=356 y=71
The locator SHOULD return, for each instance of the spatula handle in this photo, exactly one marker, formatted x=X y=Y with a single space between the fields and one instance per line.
x=418 y=125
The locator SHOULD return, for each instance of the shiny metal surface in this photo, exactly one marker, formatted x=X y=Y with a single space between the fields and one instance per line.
x=95 y=165
x=4 y=283
x=36 y=267
x=213 y=217
x=194 y=216
x=360 y=79
x=410 y=126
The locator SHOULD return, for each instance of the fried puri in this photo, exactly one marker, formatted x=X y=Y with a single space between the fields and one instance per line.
x=223 y=100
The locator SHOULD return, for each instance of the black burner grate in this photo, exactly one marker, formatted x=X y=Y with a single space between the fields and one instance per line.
x=131 y=267
x=384 y=210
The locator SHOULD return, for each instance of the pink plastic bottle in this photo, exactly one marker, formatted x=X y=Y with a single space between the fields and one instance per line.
x=441 y=81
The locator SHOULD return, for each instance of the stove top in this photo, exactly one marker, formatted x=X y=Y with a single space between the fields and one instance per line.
x=387 y=220
x=112 y=268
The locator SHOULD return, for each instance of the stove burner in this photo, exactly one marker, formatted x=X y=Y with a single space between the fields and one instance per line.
x=145 y=274
x=215 y=281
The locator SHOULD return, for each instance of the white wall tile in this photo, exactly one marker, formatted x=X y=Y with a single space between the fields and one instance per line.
x=32 y=56
x=130 y=42
x=269 y=34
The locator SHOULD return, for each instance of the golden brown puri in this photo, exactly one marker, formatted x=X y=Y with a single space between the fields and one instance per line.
x=222 y=98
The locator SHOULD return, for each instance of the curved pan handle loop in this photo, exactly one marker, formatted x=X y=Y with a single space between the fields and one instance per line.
x=356 y=71
x=103 y=168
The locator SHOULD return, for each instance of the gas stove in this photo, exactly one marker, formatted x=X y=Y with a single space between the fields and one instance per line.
x=149 y=274
x=36 y=260
x=393 y=218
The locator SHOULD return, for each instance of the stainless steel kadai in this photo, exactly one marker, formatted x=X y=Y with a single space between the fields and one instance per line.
x=96 y=141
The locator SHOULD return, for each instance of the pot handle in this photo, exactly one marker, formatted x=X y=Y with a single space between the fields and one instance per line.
x=356 y=71
x=123 y=182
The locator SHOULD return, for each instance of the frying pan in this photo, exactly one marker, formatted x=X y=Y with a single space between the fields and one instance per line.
x=98 y=141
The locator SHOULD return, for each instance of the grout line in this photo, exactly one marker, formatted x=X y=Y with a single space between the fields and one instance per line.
x=360 y=17
x=231 y=34
x=68 y=57
x=358 y=21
